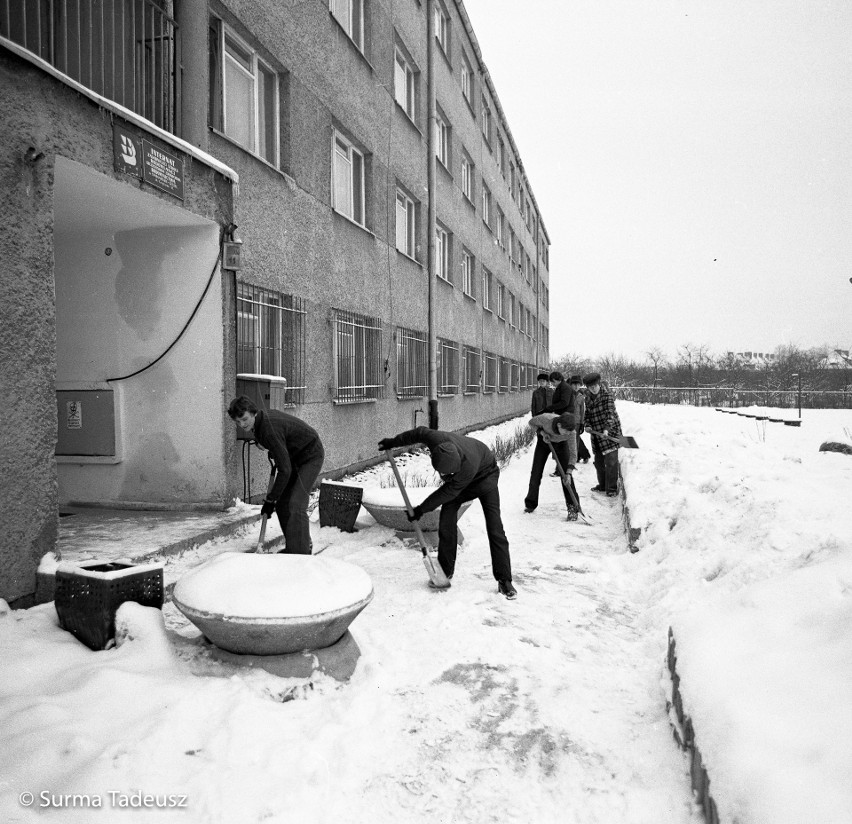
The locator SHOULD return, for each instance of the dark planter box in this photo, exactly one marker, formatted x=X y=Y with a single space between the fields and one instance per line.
x=339 y=505
x=88 y=595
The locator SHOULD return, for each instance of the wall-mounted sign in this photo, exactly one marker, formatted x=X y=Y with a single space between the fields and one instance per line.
x=232 y=254
x=140 y=157
x=73 y=415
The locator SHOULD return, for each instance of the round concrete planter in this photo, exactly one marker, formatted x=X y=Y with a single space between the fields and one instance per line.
x=273 y=604
x=388 y=508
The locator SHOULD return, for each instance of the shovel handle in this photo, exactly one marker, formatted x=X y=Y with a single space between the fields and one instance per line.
x=408 y=506
x=263 y=519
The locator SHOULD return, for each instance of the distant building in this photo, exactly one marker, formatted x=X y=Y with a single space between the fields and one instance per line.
x=752 y=360
x=393 y=270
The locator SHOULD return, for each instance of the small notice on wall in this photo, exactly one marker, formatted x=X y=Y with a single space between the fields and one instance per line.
x=73 y=415
x=137 y=156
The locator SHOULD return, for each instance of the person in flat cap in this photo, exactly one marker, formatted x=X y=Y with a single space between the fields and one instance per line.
x=542 y=394
x=602 y=417
x=579 y=404
x=469 y=471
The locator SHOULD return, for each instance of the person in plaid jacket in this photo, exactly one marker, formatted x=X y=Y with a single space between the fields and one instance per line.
x=602 y=417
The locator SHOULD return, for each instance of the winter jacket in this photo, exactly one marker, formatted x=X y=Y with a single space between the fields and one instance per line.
x=541 y=397
x=574 y=415
x=600 y=415
x=561 y=398
x=472 y=460
x=545 y=425
x=289 y=440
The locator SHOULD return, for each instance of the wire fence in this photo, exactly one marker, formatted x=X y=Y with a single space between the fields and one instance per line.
x=731 y=397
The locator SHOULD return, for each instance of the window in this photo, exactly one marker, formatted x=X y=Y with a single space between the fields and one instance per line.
x=501 y=300
x=515 y=379
x=486 y=121
x=486 y=206
x=442 y=254
x=486 y=289
x=357 y=357
x=350 y=15
x=490 y=377
x=442 y=28
x=467 y=79
x=510 y=312
x=502 y=157
x=411 y=363
x=442 y=140
x=271 y=337
x=243 y=95
x=512 y=179
x=472 y=369
x=505 y=374
x=405 y=224
x=467 y=176
x=348 y=180
x=499 y=227
x=404 y=84
x=467 y=273
x=448 y=367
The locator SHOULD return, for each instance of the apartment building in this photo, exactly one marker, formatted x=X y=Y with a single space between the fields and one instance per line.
x=318 y=203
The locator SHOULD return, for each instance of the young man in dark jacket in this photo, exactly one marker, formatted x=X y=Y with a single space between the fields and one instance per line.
x=602 y=417
x=576 y=383
x=468 y=470
x=298 y=454
x=542 y=395
x=559 y=405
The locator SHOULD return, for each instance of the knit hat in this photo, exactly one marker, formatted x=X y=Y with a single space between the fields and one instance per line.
x=556 y=376
x=575 y=379
x=543 y=376
x=446 y=459
x=592 y=378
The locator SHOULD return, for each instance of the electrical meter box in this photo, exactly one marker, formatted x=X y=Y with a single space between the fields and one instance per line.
x=267 y=392
x=86 y=419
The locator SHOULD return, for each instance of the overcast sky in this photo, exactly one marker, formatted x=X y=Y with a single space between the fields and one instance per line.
x=692 y=161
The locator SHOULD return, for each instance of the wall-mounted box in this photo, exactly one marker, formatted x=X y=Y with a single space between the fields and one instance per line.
x=86 y=423
x=267 y=392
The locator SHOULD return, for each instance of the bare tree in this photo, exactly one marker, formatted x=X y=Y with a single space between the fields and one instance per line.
x=656 y=356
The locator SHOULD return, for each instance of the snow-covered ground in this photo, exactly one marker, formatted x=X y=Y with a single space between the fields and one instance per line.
x=466 y=707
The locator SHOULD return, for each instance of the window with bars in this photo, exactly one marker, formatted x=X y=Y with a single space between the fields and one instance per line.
x=489 y=374
x=271 y=337
x=505 y=374
x=357 y=342
x=411 y=363
x=347 y=173
x=472 y=370
x=448 y=367
x=350 y=15
x=515 y=377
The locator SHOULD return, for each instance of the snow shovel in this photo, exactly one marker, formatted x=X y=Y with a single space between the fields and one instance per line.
x=567 y=483
x=436 y=574
x=623 y=440
x=259 y=547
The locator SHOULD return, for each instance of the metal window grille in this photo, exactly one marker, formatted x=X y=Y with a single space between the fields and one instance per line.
x=505 y=374
x=490 y=377
x=411 y=363
x=357 y=357
x=515 y=376
x=271 y=337
x=126 y=51
x=448 y=367
x=472 y=369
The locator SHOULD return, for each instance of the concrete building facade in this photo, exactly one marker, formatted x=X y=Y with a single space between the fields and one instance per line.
x=317 y=203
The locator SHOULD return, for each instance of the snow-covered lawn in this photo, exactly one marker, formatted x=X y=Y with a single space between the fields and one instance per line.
x=466 y=707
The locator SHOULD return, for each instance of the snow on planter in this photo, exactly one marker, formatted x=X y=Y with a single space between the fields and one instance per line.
x=273 y=604
x=386 y=505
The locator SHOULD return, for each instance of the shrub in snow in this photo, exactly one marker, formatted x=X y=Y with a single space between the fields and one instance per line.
x=834 y=446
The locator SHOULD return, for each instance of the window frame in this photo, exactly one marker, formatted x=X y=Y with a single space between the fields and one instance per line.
x=486 y=121
x=410 y=227
x=409 y=78
x=448 y=367
x=442 y=139
x=468 y=267
x=366 y=357
x=356 y=159
x=442 y=28
x=353 y=23
x=486 y=205
x=443 y=256
x=467 y=176
x=412 y=365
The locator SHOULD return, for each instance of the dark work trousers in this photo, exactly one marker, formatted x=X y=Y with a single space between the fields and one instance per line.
x=606 y=467
x=489 y=497
x=582 y=450
x=542 y=451
x=292 y=506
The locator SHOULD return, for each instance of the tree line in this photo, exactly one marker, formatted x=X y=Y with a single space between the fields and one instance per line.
x=696 y=366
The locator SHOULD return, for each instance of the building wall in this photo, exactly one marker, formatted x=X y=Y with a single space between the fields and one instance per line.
x=296 y=243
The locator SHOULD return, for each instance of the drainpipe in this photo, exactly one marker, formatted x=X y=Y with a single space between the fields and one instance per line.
x=191 y=17
x=537 y=291
x=432 y=208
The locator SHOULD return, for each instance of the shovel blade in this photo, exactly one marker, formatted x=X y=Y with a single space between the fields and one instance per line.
x=436 y=574
x=628 y=443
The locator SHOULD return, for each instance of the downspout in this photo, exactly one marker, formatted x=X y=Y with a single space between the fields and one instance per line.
x=537 y=292
x=432 y=210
